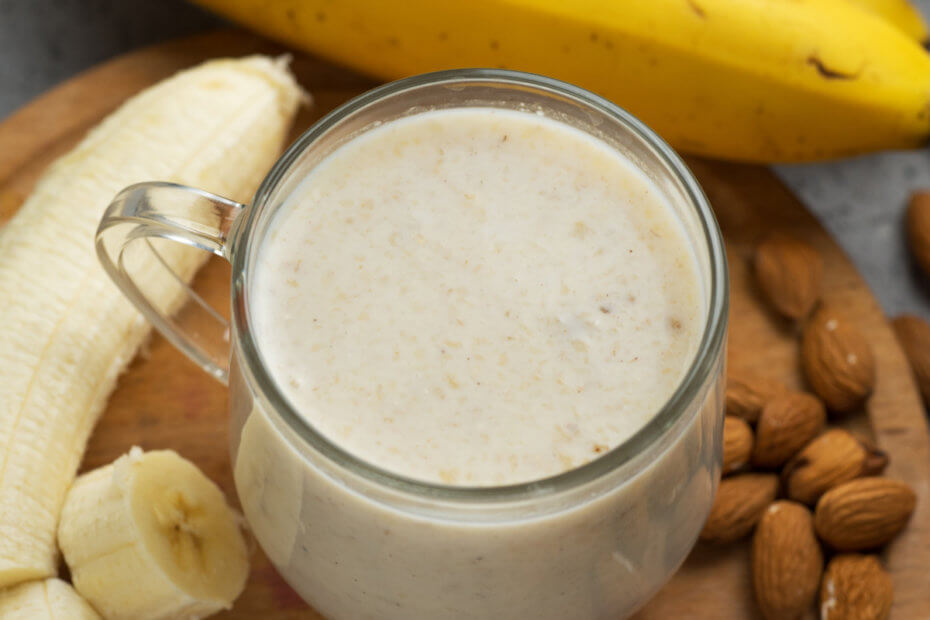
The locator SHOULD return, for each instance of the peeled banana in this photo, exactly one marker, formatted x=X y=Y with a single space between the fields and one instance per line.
x=66 y=332
x=901 y=14
x=756 y=80
x=150 y=537
x=47 y=599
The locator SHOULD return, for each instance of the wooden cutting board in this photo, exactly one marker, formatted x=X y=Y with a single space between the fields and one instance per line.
x=164 y=401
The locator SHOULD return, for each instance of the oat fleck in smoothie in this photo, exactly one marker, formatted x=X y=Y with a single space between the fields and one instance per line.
x=477 y=297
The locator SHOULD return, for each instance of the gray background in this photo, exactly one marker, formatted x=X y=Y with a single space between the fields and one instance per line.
x=860 y=201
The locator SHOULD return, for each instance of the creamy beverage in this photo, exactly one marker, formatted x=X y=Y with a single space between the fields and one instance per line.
x=477 y=297
x=477 y=356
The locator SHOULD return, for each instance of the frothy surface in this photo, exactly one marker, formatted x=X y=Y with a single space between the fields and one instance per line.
x=477 y=297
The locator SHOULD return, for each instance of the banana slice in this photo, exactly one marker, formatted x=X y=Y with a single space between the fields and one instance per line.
x=48 y=599
x=150 y=536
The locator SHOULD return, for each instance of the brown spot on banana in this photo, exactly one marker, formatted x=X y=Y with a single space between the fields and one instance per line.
x=827 y=72
x=697 y=8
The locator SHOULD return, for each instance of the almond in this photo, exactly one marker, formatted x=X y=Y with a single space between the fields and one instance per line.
x=737 y=443
x=918 y=229
x=790 y=274
x=863 y=513
x=837 y=360
x=747 y=393
x=855 y=587
x=786 y=561
x=786 y=424
x=739 y=503
x=831 y=459
x=914 y=336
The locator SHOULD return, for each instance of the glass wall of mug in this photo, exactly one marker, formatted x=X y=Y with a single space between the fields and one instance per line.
x=595 y=542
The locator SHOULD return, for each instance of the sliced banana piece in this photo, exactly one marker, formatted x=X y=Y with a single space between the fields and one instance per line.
x=150 y=536
x=47 y=599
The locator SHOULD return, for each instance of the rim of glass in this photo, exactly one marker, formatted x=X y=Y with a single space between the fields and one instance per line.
x=701 y=365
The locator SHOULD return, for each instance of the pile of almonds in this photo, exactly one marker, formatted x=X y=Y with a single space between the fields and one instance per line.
x=808 y=490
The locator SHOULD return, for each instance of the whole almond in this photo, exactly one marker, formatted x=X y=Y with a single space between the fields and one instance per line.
x=737 y=443
x=918 y=229
x=786 y=424
x=786 y=561
x=914 y=336
x=864 y=513
x=747 y=393
x=855 y=587
x=790 y=274
x=739 y=503
x=830 y=459
x=837 y=360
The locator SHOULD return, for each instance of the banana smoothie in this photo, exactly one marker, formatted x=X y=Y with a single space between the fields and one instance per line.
x=477 y=297
x=461 y=300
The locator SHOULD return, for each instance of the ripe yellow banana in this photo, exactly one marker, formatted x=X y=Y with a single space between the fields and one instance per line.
x=150 y=537
x=758 y=80
x=66 y=332
x=48 y=599
x=899 y=13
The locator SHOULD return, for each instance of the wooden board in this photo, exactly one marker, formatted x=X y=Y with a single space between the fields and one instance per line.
x=164 y=401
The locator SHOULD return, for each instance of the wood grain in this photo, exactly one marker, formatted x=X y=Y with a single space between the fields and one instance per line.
x=164 y=401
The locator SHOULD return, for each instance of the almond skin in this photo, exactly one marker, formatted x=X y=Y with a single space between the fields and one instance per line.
x=918 y=229
x=864 y=513
x=834 y=457
x=790 y=274
x=914 y=337
x=786 y=561
x=739 y=503
x=855 y=587
x=837 y=360
x=786 y=424
x=747 y=394
x=737 y=443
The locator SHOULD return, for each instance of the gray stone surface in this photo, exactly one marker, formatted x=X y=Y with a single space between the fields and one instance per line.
x=43 y=42
x=860 y=201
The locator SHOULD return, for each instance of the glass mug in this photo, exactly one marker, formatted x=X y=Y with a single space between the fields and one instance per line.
x=357 y=541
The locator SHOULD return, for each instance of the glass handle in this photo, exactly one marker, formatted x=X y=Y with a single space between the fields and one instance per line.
x=151 y=241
